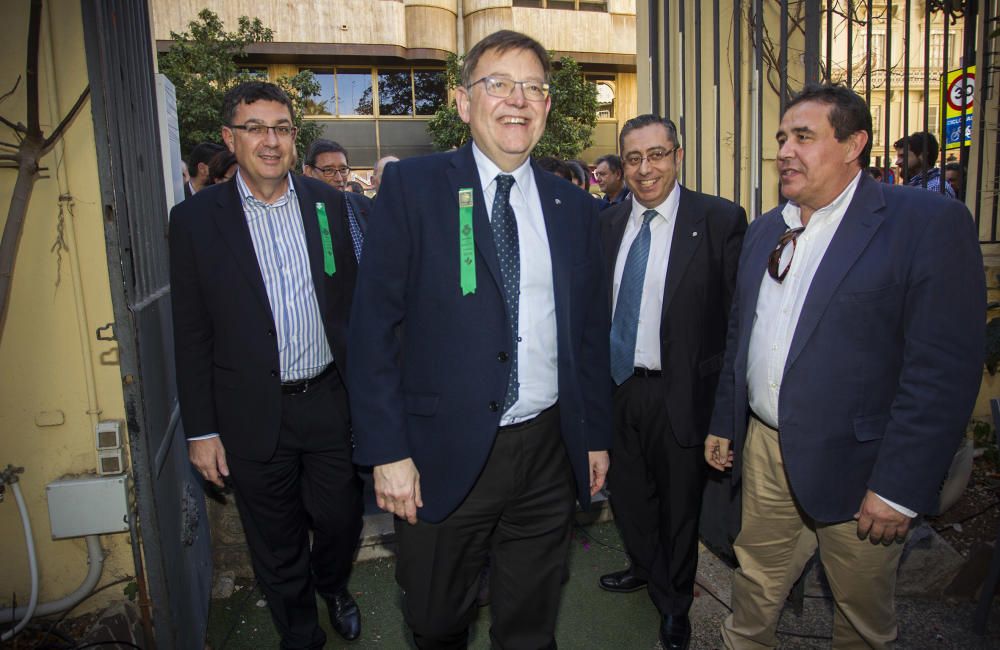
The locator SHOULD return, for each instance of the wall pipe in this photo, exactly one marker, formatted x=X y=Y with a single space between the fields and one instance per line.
x=25 y=613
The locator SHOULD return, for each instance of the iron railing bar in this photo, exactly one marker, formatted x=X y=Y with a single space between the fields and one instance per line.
x=697 y=92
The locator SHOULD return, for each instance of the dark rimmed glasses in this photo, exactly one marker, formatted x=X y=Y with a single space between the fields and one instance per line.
x=257 y=130
x=635 y=159
x=774 y=260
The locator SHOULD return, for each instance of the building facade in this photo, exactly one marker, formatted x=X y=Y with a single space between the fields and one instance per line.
x=381 y=63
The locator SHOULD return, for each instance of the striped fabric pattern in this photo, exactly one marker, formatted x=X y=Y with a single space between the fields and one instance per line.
x=279 y=241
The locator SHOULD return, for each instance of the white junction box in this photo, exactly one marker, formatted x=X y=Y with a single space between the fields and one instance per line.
x=87 y=506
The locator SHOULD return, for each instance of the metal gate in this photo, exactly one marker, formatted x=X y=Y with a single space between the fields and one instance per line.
x=172 y=520
x=724 y=69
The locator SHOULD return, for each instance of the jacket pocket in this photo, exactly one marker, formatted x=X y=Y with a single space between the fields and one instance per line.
x=424 y=404
x=870 y=427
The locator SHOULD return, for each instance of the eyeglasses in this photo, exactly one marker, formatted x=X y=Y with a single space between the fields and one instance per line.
x=260 y=130
x=503 y=88
x=330 y=172
x=654 y=156
x=774 y=260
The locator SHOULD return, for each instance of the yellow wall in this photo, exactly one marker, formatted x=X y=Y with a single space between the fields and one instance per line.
x=48 y=352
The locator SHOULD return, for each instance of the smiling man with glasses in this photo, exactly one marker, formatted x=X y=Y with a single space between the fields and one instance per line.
x=326 y=161
x=262 y=276
x=491 y=413
x=671 y=255
x=854 y=358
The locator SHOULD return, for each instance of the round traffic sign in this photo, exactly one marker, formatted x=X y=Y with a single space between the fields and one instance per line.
x=961 y=90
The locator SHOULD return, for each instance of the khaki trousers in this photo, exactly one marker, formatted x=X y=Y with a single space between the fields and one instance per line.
x=775 y=542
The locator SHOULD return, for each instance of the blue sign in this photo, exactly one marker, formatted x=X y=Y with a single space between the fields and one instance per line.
x=953 y=131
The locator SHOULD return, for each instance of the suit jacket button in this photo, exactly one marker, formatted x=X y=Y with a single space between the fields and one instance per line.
x=494 y=406
x=274 y=373
x=502 y=356
x=270 y=332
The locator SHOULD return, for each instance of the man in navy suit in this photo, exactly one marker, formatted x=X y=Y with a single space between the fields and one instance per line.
x=671 y=262
x=262 y=275
x=854 y=356
x=479 y=361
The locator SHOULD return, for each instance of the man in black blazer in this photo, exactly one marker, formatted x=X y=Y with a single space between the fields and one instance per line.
x=671 y=257
x=490 y=412
x=262 y=275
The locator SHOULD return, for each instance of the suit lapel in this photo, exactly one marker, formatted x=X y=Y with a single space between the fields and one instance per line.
x=310 y=223
x=614 y=230
x=559 y=243
x=463 y=173
x=859 y=225
x=689 y=231
x=232 y=224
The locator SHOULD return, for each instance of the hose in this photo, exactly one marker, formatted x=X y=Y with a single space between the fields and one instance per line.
x=25 y=612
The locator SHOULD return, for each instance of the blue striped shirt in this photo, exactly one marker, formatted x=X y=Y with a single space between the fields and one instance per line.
x=279 y=240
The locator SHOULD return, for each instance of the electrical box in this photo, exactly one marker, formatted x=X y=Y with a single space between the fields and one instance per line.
x=108 y=434
x=88 y=506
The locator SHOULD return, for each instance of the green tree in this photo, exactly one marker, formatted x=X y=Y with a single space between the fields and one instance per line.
x=569 y=127
x=205 y=61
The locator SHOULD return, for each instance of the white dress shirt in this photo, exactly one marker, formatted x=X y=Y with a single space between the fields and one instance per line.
x=661 y=236
x=779 y=305
x=537 y=358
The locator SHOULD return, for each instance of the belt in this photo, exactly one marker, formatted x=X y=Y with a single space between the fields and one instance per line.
x=303 y=385
x=646 y=372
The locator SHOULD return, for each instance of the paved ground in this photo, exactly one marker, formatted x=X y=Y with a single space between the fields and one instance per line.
x=593 y=619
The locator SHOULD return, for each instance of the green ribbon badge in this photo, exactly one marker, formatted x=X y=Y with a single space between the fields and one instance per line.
x=466 y=242
x=329 y=264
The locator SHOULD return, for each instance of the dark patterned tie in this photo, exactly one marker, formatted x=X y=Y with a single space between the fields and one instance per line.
x=625 y=324
x=505 y=237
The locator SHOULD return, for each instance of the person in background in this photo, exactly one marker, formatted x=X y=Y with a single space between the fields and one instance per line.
x=380 y=168
x=356 y=187
x=853 y=361
x=198 y=161
x=326 y=161
x=555 y=166
x=611 y=179
x=916 y=159
x=875 y=172
x=222 y=167
x=954 y=176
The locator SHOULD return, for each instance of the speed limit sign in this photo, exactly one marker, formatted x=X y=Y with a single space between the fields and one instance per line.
x=961 y=91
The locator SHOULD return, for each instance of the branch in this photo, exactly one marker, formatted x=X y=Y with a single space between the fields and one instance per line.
x=16 y=127
x=57 y=133
x=9 y=145
x=34 y=35
x=9 y=157
x=11 y=91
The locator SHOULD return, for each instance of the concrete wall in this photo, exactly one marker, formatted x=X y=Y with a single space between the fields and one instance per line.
x=57 y=380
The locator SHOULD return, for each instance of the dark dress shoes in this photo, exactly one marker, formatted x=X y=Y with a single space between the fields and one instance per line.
x=675 y=632
x=345 y=617
x=622 y=582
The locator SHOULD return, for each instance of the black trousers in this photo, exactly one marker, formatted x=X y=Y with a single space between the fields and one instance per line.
x=656 y=487
x=519 y=515
x=309 y=484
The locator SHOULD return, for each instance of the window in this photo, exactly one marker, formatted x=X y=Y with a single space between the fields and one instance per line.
x=605 y=85
x=876 y=125
x=397 y=92
x=932 y=119
x=936 y=53
x=877 y=56
x=257 y=74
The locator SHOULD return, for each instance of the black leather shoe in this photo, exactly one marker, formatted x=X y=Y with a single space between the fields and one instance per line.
x=345 y=617
x=622 y=582
x=675 y=632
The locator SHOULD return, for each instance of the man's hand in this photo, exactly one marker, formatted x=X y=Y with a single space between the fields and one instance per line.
x=209 y=457
x=717 y=452
x=397 y=489
x=599 y=463
x=880 y=522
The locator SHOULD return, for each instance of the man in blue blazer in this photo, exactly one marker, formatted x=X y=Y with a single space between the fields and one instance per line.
x=262 y=276
x=854 y=357
x=479 y=361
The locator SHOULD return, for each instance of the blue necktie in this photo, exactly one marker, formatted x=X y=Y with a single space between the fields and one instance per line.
x=505 y=237
x=625 y=324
